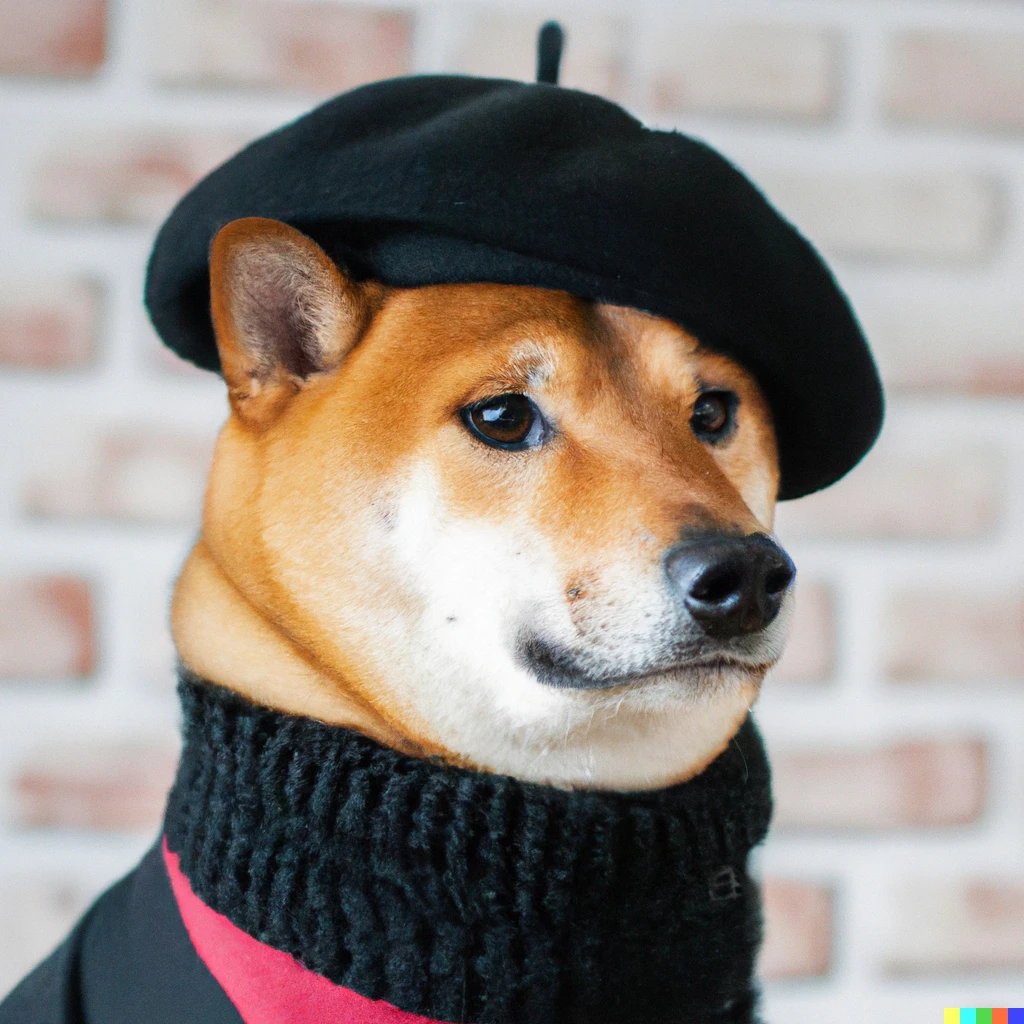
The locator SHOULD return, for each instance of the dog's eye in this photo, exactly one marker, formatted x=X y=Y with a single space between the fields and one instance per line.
x=511 y=422
x=714 y=415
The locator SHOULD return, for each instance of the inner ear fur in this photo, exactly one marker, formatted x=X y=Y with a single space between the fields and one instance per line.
x=282 y=311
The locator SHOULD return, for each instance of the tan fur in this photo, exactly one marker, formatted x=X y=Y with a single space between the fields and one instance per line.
x=361 y=553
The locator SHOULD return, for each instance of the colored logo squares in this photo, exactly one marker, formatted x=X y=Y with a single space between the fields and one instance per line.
x=983 y=1015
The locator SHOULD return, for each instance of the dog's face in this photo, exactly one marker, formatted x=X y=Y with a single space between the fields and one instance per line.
x=528 y=531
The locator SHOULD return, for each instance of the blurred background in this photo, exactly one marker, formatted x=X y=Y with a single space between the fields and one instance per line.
x=890 y=131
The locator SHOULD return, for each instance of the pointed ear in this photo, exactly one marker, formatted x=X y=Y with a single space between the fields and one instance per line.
x=282 y=311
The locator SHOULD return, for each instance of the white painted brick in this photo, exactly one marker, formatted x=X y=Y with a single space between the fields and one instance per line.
x=810 y=650
x=969 y=79
x=950 y=346
x=954 y=634
x=798 y=930
x=956 y=925
x=892 y=495
x=125 y=471
x=156 y=657
x=767 y=69
x=48 y=324
x=116 y=785
x=928 y=782
x=58 y=38
x=321 y=47
x=931 y=216
x=46 y=628
x=123 y=177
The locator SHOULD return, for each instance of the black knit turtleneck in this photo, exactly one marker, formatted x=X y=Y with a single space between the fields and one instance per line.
x=463 y=896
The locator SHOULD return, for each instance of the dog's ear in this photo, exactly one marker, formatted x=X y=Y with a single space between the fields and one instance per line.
x=282 y=311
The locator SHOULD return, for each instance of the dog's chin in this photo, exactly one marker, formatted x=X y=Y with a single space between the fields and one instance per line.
x=682 y=688
x=690 y=682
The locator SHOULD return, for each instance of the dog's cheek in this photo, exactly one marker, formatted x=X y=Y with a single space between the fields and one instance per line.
x=479 y=579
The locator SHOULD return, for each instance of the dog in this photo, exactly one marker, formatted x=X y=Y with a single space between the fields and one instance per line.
x=500 y=526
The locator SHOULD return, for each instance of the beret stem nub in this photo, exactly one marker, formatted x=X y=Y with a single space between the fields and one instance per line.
x=549 y=52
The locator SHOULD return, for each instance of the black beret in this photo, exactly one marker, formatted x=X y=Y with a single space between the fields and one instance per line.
x=444 y=179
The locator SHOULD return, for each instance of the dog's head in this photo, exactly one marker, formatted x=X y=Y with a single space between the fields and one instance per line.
x=529 y=531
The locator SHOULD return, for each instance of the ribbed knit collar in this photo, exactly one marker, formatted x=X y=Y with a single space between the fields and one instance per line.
x=464 y=896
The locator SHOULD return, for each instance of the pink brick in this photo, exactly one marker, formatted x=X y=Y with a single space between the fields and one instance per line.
x=52 y=37
x=810 y=650
x=113 y=786
x=944 y=926
x=500 y=44
x=798 y=930
x=928 y=216
x=37 y=912
x=128 y=472
x=321 y=47
x=47 y=628
x=967 y=79
x=936 y=782
x=954 y=634
x=123 y=179
x=46 y=325
x=960 y=345
x=935 y=487
x=762 y=70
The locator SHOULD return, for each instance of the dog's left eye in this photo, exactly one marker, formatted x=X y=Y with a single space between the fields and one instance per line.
x=714 y=415
x=511 y=422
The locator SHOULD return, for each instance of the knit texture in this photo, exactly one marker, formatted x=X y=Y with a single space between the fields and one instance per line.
x=464 y=896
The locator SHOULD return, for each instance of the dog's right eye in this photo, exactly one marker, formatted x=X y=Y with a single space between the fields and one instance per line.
x=511 y=422
x=714 y=415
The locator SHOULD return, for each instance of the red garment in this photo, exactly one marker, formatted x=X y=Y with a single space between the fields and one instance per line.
x=266 y=985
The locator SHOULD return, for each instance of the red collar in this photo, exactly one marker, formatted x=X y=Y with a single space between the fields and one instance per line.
x=266 y=985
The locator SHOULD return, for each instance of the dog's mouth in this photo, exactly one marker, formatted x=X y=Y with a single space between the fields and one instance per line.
x=556 y=668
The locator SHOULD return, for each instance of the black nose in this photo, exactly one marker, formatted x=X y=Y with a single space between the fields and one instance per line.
x=731 y=585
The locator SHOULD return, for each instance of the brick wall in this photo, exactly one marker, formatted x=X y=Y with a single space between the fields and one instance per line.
x=892 y=131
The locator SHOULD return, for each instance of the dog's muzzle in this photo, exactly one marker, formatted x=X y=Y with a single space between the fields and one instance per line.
x=727 y=588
